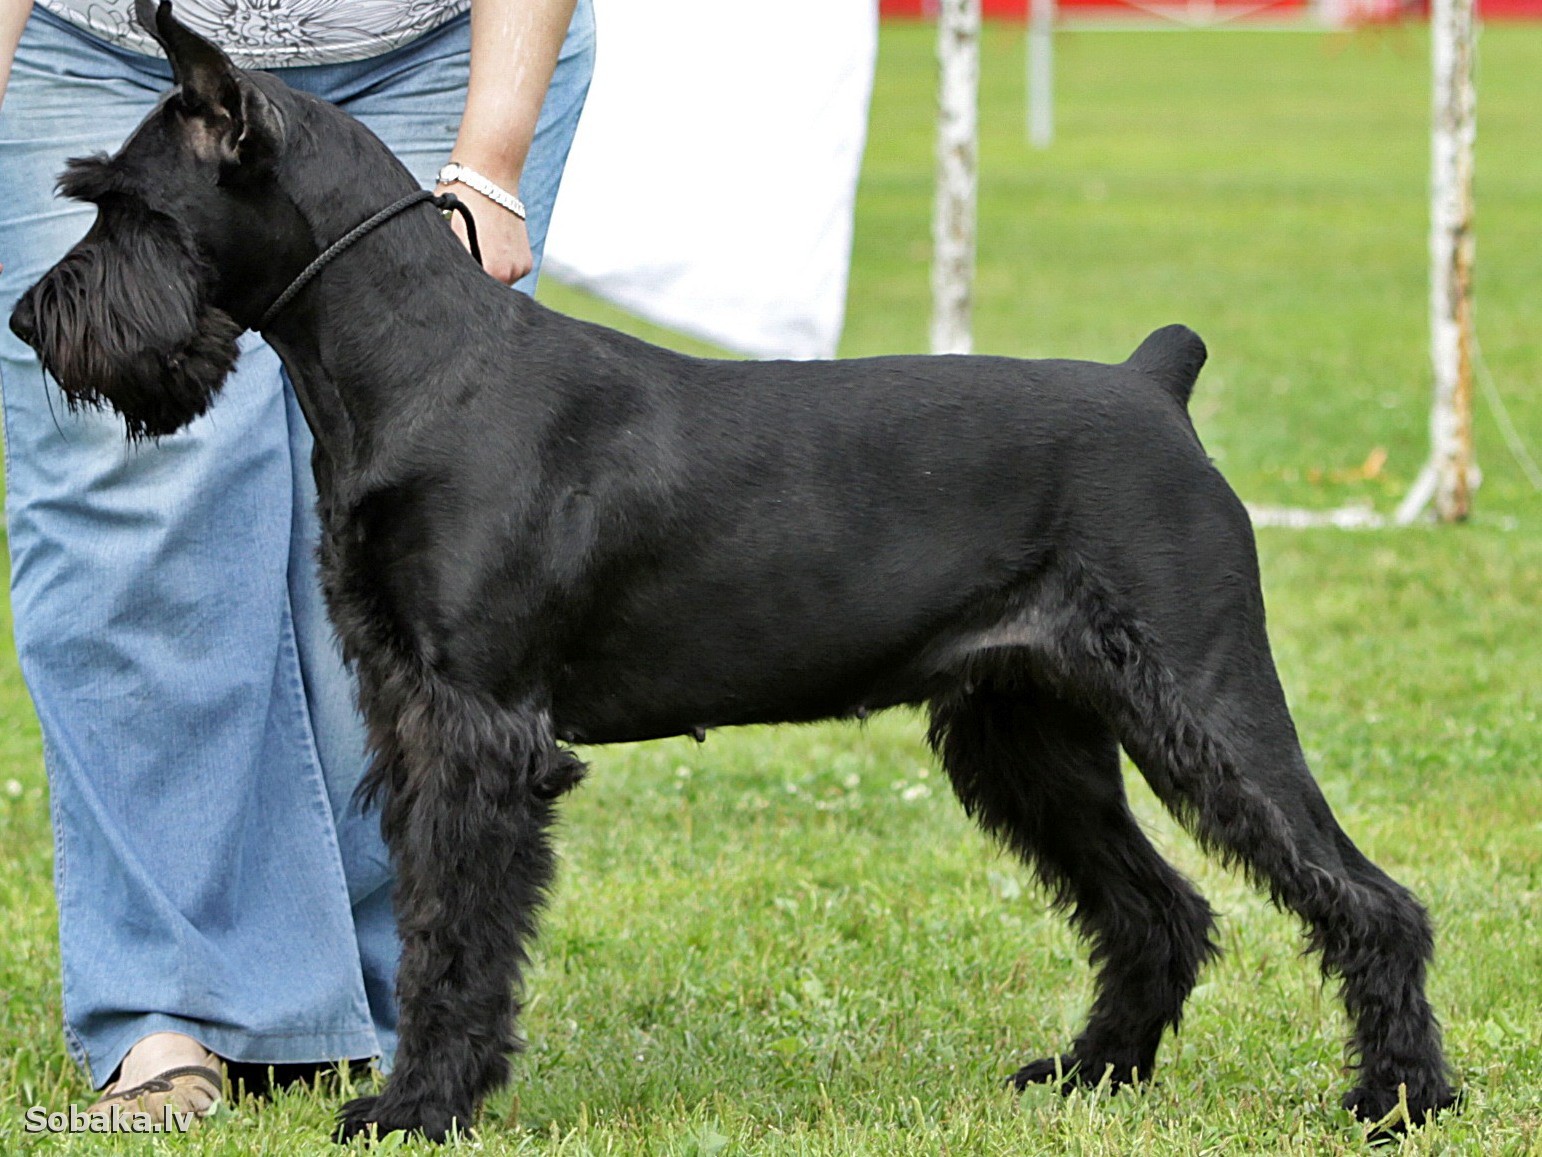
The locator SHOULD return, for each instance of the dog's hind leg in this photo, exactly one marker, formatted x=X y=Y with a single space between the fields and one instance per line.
x=1188 y=685
x=468 y=799
x=1044 y=777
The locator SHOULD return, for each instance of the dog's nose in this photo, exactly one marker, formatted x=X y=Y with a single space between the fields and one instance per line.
x=24 y=319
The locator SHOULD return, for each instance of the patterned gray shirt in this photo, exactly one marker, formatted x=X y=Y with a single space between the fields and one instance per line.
x=273 y=33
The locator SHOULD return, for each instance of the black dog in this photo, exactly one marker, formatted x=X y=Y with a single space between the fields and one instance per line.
x=538 y=531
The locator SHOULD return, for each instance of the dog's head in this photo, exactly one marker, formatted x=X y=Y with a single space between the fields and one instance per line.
x=192 y=239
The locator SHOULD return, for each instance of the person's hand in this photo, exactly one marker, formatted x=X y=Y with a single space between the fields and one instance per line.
x=502 y=236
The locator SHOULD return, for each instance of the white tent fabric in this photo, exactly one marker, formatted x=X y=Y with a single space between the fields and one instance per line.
x=712 y=181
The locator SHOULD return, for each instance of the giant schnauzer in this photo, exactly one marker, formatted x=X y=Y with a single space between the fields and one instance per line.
x=539 y=532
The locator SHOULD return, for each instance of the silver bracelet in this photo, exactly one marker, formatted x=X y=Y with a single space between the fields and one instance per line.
x=456 y=172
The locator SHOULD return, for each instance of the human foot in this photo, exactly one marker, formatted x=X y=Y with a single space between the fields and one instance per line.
x=166 y=1072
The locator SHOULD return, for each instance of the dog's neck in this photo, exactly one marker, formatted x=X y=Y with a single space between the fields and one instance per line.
x=347 y=339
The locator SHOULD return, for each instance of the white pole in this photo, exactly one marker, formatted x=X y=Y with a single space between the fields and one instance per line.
x=1451 y=474
x=953 y=217
x=1041 y=73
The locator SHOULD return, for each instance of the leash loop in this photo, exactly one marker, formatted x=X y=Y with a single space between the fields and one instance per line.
x=446 y=203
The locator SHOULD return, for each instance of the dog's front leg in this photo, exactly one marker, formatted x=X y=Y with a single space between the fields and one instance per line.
x=468 y=800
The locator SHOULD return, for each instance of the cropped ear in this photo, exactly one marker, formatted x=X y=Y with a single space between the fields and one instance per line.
x=204 y=72
x=261 y=136
x=245 y=130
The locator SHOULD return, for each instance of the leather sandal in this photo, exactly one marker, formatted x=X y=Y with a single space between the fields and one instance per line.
x=173 y=1099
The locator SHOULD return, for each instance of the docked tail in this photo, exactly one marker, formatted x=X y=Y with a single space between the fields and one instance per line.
x=1173 y=357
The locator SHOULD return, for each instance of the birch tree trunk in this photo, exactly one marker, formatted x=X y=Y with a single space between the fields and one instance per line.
x=953 y=216
x=1041 y=73
x=1451 y=475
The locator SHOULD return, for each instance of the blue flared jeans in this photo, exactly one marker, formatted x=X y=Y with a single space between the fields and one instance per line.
x=214 y=876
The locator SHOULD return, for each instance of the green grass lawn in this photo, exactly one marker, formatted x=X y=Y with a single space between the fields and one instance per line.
x=792 y=942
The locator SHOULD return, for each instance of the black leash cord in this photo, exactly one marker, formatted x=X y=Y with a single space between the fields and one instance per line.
x=448 y=203
x=445 y=202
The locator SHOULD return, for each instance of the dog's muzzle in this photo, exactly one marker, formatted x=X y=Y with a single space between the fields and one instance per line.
x=24 y=319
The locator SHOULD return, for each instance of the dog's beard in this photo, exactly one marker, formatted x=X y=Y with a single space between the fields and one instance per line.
x=125 y=323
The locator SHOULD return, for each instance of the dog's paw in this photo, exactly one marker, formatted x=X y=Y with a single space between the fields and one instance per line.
x=1047 y=1071
x=1071 y=1072
x=373 y=1117
x=1393 y=1111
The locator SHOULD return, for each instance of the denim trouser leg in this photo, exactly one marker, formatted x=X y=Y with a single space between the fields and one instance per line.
x=213 y=876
